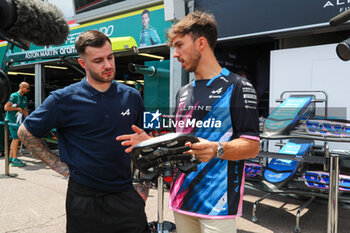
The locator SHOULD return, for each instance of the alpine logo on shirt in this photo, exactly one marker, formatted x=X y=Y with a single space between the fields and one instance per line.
x=218 y=91
x=126 y=113
x=216 y=94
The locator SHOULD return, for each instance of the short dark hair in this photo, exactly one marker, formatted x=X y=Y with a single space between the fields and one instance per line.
x=92 y=38
x=195 y=24
x=145 y=11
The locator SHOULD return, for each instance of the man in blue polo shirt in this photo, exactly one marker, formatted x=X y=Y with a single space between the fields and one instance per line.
x=88 y=115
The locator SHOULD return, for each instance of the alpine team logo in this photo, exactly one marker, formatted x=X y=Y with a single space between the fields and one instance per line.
x=218 y=91
x=151 y=120
x=126 y=113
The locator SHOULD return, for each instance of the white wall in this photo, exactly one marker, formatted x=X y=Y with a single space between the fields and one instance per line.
x=312 y=68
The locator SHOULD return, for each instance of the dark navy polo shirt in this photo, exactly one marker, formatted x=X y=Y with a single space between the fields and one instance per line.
x=87 y=123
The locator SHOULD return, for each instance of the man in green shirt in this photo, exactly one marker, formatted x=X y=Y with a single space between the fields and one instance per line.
x=148 y=35
x=17 y=109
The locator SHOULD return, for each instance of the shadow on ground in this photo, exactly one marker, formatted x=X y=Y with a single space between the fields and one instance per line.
x=277 y=213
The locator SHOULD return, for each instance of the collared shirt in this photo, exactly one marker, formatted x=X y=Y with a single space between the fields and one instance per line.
x=20 y=101
x=87 y=122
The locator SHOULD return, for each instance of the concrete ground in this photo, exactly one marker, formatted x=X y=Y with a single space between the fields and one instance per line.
x=33 y=202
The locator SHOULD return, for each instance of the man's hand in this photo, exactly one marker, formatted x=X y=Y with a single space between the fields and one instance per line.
x=142 y=190
x=133 y=139
x=204 y=150
x=236 y=149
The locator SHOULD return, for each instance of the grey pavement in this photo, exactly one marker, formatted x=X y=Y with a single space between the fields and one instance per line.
x=33 y=202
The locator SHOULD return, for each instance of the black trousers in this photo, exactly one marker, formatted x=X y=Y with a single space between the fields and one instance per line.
x=92 y=211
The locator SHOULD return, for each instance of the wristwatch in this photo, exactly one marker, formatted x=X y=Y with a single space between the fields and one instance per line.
x=219 y=151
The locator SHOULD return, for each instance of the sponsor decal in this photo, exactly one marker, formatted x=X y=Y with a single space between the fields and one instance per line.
x=183 y=97
x=250 y=96
x=250 y=102
x=246 y=83
x=220 y=205
x=248 y=90
x=107 y=30
x=50 y=52
x=197 y=107
x=278 y=176
x=223 y=78
x=249 y=107
x=280 y=123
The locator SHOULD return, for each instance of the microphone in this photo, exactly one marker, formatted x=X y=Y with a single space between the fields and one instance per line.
x=34 y=21
x=341 y=18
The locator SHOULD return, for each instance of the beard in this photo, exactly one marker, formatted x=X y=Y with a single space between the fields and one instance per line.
x=98 y=78
x=193 y=61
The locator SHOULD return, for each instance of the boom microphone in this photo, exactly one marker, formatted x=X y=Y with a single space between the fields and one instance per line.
x=34 y=21
x=341 y=18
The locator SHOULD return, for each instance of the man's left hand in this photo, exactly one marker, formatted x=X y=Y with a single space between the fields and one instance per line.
x=133 y=139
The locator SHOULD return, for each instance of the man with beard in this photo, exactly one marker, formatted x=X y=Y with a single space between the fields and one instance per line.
x=17 y=108
x=210 y=199
x=88 y=115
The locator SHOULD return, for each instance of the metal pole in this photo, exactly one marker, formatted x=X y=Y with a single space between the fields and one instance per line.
x=332 y=225
x=39 y=84
x=336 y=191
x=160 y=203
x=330 y=197
x=6 y=147
x=326 y=155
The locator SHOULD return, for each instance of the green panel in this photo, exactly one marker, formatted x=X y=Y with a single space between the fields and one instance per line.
x=2 y=50
x=125 y=25
x=156 y=89
x=2 y=131
x=2 y=146
x=128 y=24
